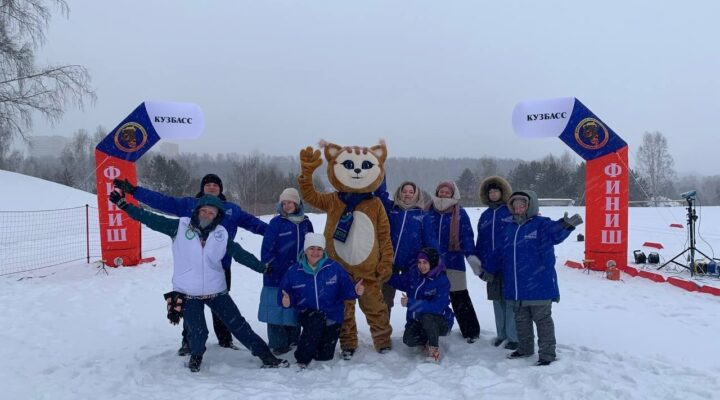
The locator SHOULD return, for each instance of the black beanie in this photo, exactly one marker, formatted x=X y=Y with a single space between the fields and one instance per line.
x=211 y=178
x=431 y=255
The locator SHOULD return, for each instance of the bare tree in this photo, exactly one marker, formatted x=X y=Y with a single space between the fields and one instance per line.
x=27 y=88
x=655 y=164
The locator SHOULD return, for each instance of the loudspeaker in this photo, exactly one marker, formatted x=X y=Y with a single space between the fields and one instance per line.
x=640 y=257
x=654 y=258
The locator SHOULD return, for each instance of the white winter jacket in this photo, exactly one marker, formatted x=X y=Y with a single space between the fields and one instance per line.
x=198 y=270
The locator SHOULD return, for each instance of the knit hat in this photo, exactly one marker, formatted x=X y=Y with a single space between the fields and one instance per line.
x=211 y=178
x=445 y=184
x=314 y=239
x=290 y=194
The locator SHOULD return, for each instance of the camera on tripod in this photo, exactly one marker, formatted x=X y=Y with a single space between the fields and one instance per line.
x=689 y=195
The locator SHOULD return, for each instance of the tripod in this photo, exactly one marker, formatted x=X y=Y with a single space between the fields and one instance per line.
x=691 y=218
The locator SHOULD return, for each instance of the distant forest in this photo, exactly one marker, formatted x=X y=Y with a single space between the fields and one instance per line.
x=255 y=181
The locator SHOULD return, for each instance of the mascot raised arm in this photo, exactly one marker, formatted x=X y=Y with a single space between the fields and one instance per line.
x=357 y=230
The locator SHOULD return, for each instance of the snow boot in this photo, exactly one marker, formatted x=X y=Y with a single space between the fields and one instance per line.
x=384 y=350
x=433 y=354
x=229 y=345
x=542 y=363
x=194 y=363
x=270 y=361
x=511 y=345
x=516 y=354
x=184 y=349
x=497 y=342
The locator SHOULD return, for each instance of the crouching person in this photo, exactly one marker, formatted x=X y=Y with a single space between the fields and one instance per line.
x=428 y=302
x=529 y=278
x=317 y=287
x=199 y=245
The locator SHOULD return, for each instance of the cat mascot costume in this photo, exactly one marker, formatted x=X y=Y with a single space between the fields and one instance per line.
x=357 y=230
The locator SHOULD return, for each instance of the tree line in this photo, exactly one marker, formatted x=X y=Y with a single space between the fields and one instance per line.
x=256 y=180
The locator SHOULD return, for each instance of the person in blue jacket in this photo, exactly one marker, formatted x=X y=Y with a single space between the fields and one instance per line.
x=427 y=299
x=494 y=193
x=405 y=213
x=234 y=218
x=446 y=227
x=317 y=287
x=282 y=244
x=527 y=265
x=199 y=243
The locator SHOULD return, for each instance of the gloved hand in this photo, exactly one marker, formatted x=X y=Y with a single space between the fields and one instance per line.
x=475 y=264
x=268 y=269
x=124 y=185
x=175 y=303
x=118 y=199
x=486 y=276
x=571 y=222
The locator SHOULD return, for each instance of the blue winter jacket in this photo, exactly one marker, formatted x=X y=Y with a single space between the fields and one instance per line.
x=281 y=246
x=425 y=295
x=327 y=290
x=490 y=228
x=183 y=207
x=436 y=234
x=527 y=256
x=406 y=229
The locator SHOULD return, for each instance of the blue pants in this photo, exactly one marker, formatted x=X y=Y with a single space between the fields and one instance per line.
x=318 y=339
x=281 y=337
x=505 y=320
x=227 y=311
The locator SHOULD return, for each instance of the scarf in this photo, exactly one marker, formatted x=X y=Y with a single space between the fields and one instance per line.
x=306 y=265
x=351 y=201
x=297 y=217
x=444 y=205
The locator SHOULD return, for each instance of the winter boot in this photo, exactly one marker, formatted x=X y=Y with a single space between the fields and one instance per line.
x=511 y=345
x=542 y=363
x=498 y=342
x=184 y=349
x=516 y=354
x=194 y=363
x=347 y=354
x=433 y=354
x=270 y=361
x=384 y=350
x=229 y=345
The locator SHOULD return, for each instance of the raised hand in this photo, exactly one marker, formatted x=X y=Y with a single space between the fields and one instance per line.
x=309 y=160
x=404 y=300
x=360 y=288
x=118 y=199
x=573 y=221
x=124 y=185
x=285 y=299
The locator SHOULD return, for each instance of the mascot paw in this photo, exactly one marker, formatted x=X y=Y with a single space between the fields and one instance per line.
x=309 y=159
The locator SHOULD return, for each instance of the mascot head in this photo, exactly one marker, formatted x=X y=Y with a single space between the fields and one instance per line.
x=355 y=169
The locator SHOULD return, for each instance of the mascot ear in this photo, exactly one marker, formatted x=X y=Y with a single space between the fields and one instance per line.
x=380 y=151
x=331 y=151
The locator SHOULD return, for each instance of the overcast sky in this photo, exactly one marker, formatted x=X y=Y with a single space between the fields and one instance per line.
x=433 y=78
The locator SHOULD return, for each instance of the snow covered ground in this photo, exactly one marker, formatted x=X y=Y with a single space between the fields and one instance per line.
x=71 y=333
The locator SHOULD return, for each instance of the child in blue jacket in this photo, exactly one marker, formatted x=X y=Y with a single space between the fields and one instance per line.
x=428 y=302
x=281 y=246
x=527 y=265
x=317 y=288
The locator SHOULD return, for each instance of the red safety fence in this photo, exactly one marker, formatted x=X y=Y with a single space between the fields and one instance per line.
x=32 y=240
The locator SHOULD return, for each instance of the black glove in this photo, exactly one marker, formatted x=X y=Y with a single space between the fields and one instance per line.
x=571 y=222
x=118 y=199
x=486 y=276
x=124 y=185
x=268 y=269
x=175 y=304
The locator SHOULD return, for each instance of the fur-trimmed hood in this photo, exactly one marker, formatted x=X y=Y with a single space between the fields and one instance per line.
x=494 y=181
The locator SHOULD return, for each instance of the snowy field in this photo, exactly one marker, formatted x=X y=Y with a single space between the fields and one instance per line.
x=71 y=333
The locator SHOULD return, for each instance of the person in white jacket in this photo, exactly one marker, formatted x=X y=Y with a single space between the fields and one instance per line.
x=199 y=245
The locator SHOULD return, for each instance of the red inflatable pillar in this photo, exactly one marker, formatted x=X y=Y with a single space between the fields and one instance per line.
x=120 y=235
x=606 y=209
